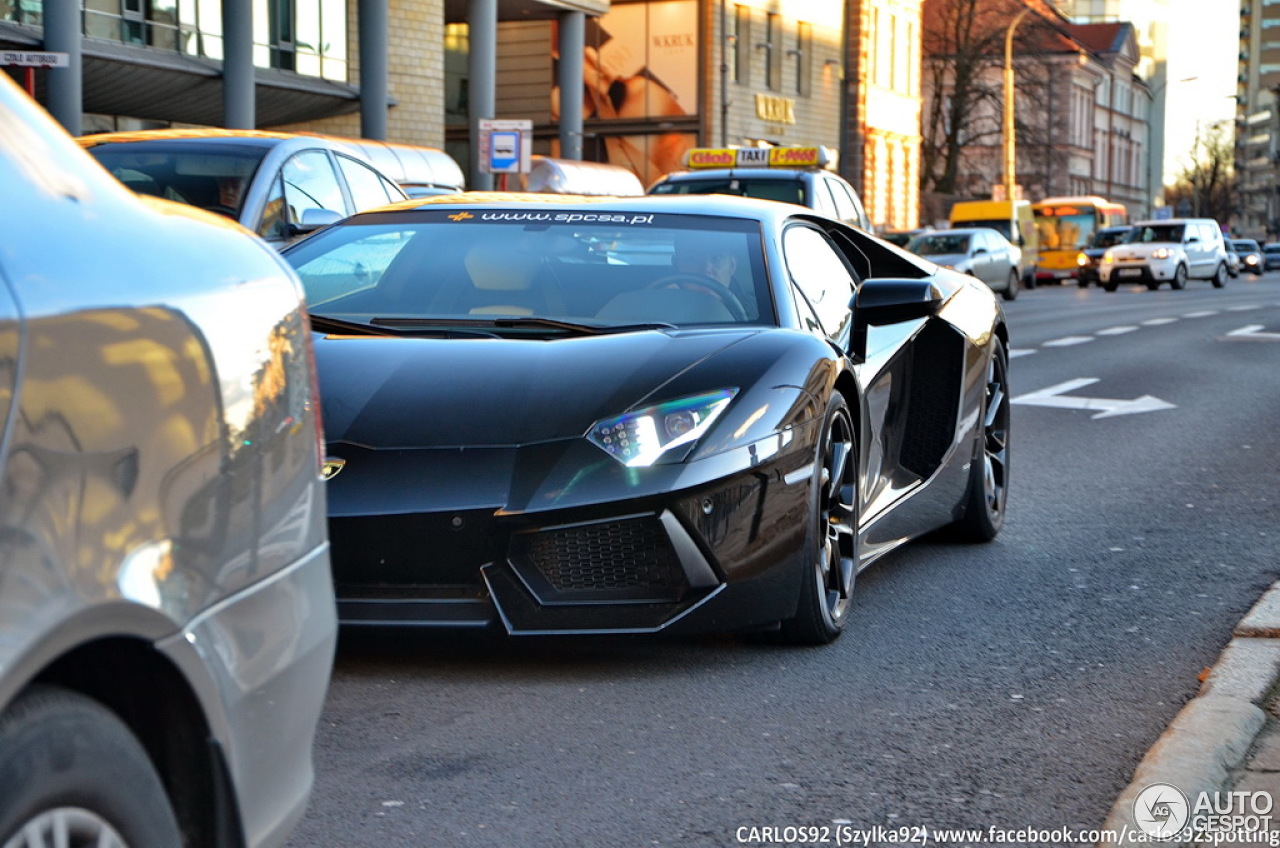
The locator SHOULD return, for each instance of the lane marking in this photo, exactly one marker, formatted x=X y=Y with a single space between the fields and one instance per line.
x=1015 y=352
x=1202 y=314
x=1056 y=396
x=1117 y=331
x=1251 y=333
x=1156 y=322
x=1067 y=341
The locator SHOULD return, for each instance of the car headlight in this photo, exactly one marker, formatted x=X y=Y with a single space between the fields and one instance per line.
x=638 y=438
x=1107 y=258
x=1251 y=260
x=1161 y=253
x=1082 y=260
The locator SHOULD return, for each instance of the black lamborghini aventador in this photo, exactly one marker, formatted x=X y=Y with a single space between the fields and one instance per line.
x=605 y=415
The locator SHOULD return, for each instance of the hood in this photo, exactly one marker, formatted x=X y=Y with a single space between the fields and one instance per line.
x=395 y=392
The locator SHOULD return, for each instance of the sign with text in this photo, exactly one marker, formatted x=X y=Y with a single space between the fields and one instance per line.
x=35 y=58
x=505 y=146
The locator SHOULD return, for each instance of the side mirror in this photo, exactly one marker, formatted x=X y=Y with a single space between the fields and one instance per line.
x=313 y=219
x=879 y=302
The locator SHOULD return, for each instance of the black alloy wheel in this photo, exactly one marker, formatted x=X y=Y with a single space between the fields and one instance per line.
x=988 y=492
x=826 y=591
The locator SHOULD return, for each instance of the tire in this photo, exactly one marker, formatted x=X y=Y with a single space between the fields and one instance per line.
x=71 y=768
x=831 y=548
x=1179 y=281
x=1011 y=286
x=1110 y=286
x=1220 y=276
x=988 y=490
x=1153 y=285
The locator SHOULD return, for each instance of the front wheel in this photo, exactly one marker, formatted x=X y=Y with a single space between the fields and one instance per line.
x=1110 y=286
x=831 y=548
x=988 y=491
x=1179 y=281
x=73 y=774
x=1220 y=276
x=1011 y=286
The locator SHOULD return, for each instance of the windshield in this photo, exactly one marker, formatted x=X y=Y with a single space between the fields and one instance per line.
x=596 y=268
x=213 y=177
x=1065 y=232
x=785 y=190
x=939 y=245
x=1110 y=238
x=1159 y=233
x=1245 y=246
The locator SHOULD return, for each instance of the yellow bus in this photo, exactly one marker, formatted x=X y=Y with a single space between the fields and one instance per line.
x=1065 y=226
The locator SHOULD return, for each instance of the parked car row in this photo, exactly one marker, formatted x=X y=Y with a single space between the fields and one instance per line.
x=174 y=567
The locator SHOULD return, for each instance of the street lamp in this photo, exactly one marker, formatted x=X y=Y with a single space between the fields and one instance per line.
x=1010 y=154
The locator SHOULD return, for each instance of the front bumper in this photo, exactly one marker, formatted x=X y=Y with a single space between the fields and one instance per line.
x=1138 y=271
x=716 y=557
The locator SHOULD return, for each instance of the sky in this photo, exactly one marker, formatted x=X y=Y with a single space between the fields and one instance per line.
x=1203 y=43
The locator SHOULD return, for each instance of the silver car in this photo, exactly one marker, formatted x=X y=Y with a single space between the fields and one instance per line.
x=279 y=185
x=167 y=621
x=978 y=251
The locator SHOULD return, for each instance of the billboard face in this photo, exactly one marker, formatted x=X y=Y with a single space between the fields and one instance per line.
x=641 y=64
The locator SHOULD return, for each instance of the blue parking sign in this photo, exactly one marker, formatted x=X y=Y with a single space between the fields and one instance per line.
x=504 y=152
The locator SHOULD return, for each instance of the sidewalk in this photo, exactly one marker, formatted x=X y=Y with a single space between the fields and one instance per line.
x=1225 y=739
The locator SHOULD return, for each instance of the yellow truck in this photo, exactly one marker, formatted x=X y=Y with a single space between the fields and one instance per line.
x=1012 y=219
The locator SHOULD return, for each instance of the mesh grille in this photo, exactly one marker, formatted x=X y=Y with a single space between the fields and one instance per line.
x=616 y=555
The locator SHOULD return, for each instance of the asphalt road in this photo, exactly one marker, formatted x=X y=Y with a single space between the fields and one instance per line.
x=1009 y=685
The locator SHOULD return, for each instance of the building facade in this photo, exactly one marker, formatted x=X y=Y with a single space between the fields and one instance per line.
x=1081 y=113
x=1257 y=154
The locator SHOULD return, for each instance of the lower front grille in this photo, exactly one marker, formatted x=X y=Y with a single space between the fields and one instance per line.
x=625 y=559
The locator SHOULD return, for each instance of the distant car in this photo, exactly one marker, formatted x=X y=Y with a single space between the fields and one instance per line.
x=1091 y=257
x=627 y=415
x=977 y=251
x=1171 y=250
x=278 y=185
x=1270 y=256
x=797 y=175
x=167 y=622
x=901 y=237
x=1250 y=255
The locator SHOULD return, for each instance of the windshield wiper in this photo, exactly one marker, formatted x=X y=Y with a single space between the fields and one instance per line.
x=521 y=323
x=324 y=324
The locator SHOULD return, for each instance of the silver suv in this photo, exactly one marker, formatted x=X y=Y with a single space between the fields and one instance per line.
x=1172 y=250
x=167 y=621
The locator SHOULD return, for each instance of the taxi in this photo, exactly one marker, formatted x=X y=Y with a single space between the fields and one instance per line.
x=800 y=175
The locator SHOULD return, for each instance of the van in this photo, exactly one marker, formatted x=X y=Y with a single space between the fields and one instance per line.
x=1011 y=219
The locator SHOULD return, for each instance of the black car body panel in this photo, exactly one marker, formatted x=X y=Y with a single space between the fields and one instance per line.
x=471 y=489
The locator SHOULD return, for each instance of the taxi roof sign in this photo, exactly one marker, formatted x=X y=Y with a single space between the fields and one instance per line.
x=814 y=156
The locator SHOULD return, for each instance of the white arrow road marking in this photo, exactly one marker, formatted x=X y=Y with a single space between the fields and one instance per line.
x=1252 y=333
x=1054 y=396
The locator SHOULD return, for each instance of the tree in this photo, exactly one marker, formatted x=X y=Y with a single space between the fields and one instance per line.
x=1206 y=184
x=963 y=42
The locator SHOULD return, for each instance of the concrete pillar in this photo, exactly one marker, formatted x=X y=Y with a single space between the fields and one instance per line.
x=239 y=105
x=374 y=37
x=64 y=87
x=573 y=29
x=482 y=63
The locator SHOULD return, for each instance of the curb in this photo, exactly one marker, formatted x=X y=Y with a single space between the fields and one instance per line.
x=1215 y=731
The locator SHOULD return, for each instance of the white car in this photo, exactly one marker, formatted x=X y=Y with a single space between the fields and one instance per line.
x=977 y=251
x=1172 y=251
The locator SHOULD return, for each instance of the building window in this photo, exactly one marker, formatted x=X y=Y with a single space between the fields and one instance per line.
x=803 y=55
x=305 y=36
x=742 y=46
x=772 y=59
